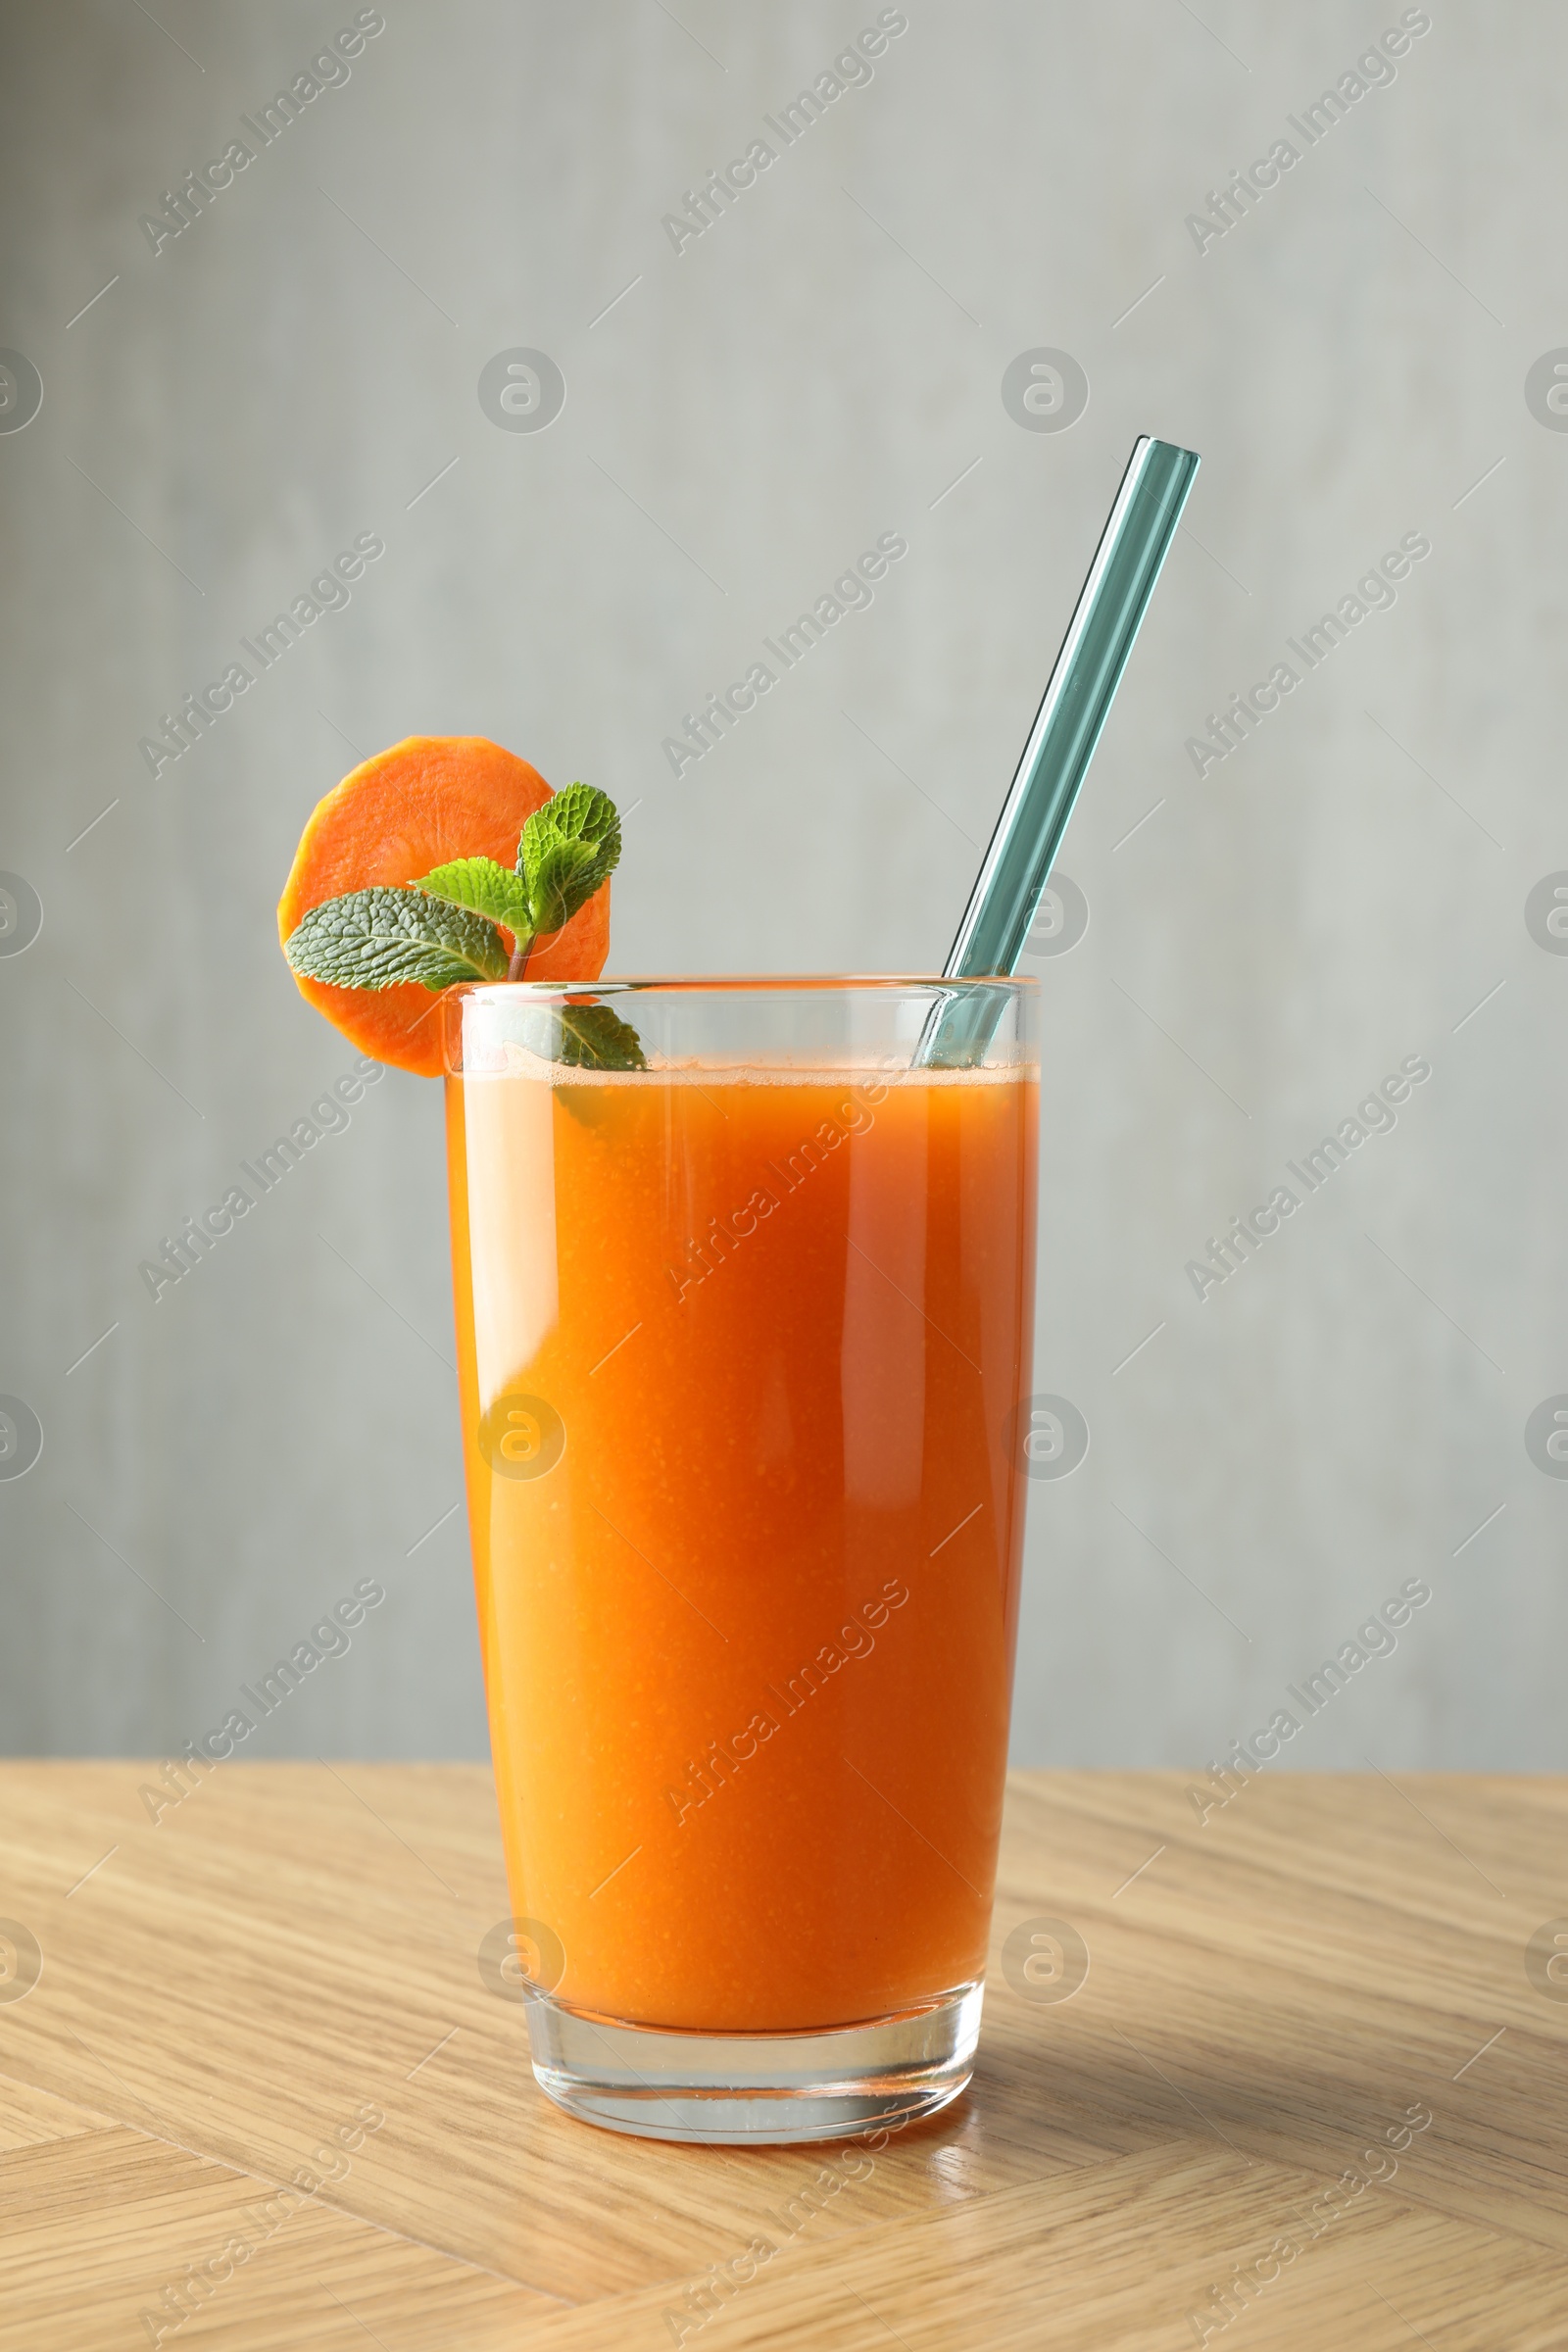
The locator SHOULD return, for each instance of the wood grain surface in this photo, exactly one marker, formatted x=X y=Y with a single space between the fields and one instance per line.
x=1309 y=2093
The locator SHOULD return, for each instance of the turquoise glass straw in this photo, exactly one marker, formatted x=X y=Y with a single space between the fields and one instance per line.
x=1061 y=742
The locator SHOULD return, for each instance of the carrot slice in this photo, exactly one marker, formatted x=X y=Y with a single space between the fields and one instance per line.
x=430 y=798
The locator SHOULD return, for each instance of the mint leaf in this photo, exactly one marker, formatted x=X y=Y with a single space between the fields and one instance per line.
x=584 y=1037
x=382 y=938
x=484 y=888
x=568 y=847
x=593 y=1038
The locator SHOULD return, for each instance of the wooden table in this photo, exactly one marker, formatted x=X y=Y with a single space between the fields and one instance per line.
x=1308 y=2095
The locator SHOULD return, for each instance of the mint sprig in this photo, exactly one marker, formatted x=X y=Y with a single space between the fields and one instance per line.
x=442 y=928
x=568 y=847
x=383 y=938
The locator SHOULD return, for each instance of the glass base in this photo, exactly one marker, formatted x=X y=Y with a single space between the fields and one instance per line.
x=756 y=2090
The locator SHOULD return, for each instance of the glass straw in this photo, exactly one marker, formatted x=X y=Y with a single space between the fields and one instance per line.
x=1061 y=742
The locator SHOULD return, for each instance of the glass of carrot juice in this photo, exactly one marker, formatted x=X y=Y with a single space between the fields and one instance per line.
x=743 y=1328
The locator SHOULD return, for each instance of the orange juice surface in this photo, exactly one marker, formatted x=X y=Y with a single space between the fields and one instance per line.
x=739 y=1357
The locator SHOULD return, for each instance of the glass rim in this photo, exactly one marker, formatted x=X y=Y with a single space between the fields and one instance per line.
x=739 y=983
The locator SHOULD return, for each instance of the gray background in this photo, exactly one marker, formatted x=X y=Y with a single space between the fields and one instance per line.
x=819 y=367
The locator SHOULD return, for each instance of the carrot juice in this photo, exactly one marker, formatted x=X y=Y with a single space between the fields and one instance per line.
x=738 y=1347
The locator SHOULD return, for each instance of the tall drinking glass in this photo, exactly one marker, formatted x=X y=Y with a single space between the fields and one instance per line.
x=741 y=1337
